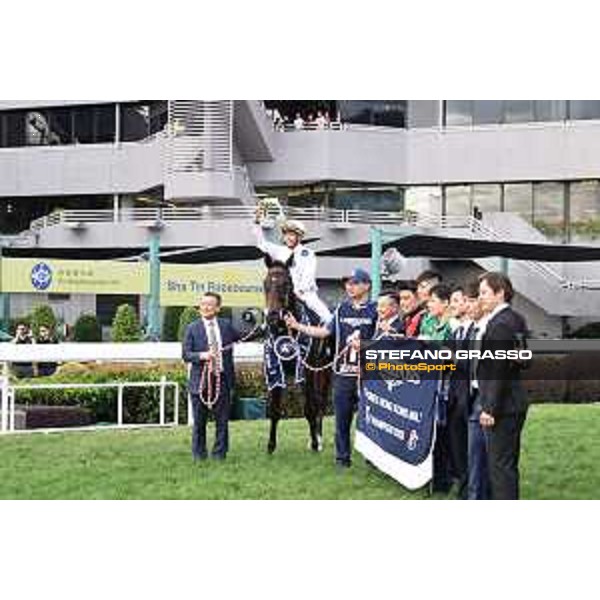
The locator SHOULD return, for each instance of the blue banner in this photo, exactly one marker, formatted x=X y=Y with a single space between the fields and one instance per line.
x=397 y=411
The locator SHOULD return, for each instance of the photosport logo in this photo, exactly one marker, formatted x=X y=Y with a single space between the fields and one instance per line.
x=41 y=276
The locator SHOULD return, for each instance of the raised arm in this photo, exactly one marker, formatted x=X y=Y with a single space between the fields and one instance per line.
x=277 y=252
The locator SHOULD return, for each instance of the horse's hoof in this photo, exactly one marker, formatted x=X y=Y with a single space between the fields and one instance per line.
x=316 y=446
x=271 y=448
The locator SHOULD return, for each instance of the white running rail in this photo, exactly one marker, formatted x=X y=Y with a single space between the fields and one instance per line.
x=120 y=386
x=95 y=352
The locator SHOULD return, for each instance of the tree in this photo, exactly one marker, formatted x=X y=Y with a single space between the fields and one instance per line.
x=87 y=329
x=125 y=325
x=43 y=315
x=171 y=323
x=189 y=315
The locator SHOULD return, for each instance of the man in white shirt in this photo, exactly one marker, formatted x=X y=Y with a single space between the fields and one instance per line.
x=302 y=263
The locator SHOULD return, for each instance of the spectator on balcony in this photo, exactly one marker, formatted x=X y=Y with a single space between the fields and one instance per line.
x=320 y=121
x=298 y=122
x=277 y=120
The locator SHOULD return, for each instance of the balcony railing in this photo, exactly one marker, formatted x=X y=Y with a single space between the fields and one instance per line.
x=465 y=226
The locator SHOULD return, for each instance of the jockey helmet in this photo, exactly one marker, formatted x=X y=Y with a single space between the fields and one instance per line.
x=294 y=226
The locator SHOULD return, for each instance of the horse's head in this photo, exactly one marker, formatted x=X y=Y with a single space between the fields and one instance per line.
x=279 y=290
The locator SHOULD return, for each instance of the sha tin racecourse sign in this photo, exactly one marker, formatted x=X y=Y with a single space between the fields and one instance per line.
x=239 y=284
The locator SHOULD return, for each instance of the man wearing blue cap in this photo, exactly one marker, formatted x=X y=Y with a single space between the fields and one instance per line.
x=355 y=318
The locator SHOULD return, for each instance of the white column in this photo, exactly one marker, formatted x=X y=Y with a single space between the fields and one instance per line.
x=4 y=395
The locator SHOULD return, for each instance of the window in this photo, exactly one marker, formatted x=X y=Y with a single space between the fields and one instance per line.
x=487 y=112
x=60 y=125
x=104 y=123
x=550 y=110
x=458 y=112
x=549 y=209
x=84 y=125
x=386 y=113
x=14 y=129
x=518 y=111
x=107 y=305
x=486 y=197
x=94 y=124
x=458 y=200
x=424 y=199
x=584 y=109
x=159 y=115
x=368 y=198
x=135 y=122
x=518 y=198
x=584 y=213
x=59 y=297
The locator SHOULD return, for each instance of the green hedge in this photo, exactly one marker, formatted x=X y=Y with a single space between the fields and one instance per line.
x=141 y=404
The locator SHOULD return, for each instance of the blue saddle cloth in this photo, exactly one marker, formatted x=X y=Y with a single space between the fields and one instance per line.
x=275 y=367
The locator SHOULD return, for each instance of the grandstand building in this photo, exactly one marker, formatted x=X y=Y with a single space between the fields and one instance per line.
x=89 y=180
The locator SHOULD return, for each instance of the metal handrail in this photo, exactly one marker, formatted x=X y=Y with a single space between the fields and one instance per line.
x=344 y=217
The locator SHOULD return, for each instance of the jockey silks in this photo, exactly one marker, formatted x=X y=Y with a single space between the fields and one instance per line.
x=349 y=319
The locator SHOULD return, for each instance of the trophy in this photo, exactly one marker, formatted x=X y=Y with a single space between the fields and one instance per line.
x=269 y=212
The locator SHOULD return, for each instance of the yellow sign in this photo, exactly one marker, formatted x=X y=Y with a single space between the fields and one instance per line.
x=239 y=284
x=47 y=276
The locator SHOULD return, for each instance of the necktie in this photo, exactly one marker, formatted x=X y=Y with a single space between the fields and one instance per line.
x=474 y=344
x=213 y=344
x=460 y=333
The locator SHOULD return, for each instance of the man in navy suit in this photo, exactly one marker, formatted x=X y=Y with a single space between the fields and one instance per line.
x=503 y=398
x=208 y=347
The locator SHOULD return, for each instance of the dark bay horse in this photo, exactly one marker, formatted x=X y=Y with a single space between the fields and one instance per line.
x=280 y=300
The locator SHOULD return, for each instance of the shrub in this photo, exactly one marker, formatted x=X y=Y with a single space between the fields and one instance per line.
x=87 y=329
x=43 y=315
x=189 y=315
x=589 y=331
x=125 y=325
x=171 y=323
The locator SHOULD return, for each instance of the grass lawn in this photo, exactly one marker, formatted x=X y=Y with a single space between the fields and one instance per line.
x=561 y=458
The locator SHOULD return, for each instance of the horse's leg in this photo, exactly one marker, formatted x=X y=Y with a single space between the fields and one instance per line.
x=275 y=399
x=313 y=410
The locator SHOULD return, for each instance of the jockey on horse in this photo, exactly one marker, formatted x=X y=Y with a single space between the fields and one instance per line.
x=300 y=259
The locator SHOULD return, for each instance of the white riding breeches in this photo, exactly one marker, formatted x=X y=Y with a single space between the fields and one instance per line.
x=312 y=300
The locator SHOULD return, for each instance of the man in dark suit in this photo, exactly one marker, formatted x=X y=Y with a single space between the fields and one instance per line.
x=389 y=323
x=208 y=347
x=503 y=399
x=458 y=394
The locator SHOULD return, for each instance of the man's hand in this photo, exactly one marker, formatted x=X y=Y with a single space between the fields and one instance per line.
x=355 y=341
x=384 y=326
x=486 y=420
x=209 y=355
x=259 y=214
x=291 y=322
